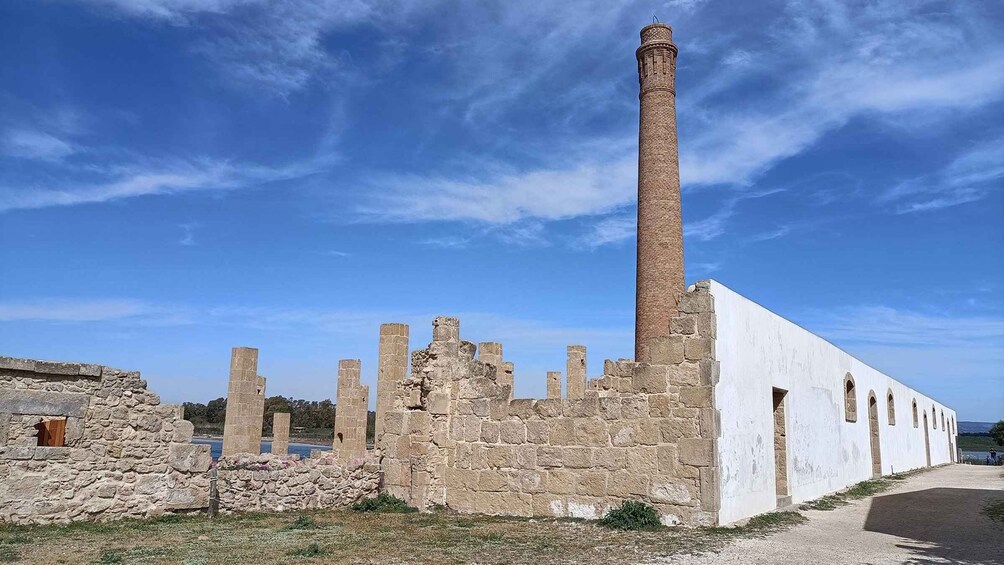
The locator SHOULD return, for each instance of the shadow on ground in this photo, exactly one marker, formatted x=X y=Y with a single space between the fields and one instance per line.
x=946 y=523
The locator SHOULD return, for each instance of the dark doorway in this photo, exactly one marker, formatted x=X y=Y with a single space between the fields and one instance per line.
x=873 y=434
x=780 y=449
x=927 y=441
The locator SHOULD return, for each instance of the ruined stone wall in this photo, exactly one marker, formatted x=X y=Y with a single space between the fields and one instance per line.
x=245 y=403
x=351 y=407
x=271 y=483
x=644 y=431
x=124 y=453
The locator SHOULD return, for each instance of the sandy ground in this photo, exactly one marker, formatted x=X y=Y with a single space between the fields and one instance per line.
x=934 y=517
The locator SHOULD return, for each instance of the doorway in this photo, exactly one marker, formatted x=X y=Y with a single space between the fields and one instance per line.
x=873 y=434
x=927 y=441
x=780 y=449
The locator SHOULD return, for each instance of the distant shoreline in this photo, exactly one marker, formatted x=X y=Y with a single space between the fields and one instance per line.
x=292 y=439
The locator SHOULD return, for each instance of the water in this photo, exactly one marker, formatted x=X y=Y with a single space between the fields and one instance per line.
x=979 y=456
x=301 y=449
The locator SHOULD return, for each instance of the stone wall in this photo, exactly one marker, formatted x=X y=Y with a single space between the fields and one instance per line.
x=124 y=454
x=644 y=431
x=351 y=407
x=266 y=482
x=245 y=403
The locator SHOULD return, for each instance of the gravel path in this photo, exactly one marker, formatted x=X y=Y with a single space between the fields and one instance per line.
x=934 y=517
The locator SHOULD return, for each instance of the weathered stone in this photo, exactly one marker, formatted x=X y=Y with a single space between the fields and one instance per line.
x=43 y=403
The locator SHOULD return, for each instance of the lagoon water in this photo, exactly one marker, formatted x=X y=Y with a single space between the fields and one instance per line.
x=301 y=449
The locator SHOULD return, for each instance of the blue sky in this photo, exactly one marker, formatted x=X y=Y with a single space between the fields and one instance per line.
x=179 y=176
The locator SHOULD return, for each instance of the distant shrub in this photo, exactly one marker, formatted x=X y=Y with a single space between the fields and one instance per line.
x=312 y=550
x=632 y=515
x=383 y=503
x=302 y=523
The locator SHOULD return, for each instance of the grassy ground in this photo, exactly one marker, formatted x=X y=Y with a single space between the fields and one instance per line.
x=861 y=490
x=977 y=442
x=345 y=536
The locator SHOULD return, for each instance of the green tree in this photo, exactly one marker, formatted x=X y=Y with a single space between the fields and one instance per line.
x=997 y=432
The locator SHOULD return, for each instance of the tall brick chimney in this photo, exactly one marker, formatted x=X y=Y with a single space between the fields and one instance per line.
x=660 y=226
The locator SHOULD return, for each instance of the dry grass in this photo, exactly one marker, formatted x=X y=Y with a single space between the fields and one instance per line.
x=345 y=536
x=863 y=489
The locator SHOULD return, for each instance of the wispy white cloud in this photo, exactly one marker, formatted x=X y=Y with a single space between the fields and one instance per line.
x=610 y=230
x=142 y=180
x=970 y=177
x=34 y=144
x=507 y=198
x=65 y=310
x=895 y=327
x=188 y=234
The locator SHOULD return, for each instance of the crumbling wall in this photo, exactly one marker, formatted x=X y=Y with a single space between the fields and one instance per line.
x=270 y=483
x=644 y=431
x=124 y=453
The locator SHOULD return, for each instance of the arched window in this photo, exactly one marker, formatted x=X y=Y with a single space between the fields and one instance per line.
x=850 y=399
x=934 y=418
x=891 y=408
x=943 y=420
x=915 y=423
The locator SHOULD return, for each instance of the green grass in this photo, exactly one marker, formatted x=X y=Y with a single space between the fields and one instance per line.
x=632 y=516
x=347 y=536
x=977 y=442
x=384 y=503
x=302 y=522
x=761 y=525
x=310 y=551
x=861 y=490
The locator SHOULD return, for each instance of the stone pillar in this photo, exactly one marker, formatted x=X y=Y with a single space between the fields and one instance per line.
x=509 y=377
x=280 y=433
x=554 y=385
x=351 y=406
x=575 y=369
x=245 y=404
x=491 y=353
x=660 y=276
x=392 y=369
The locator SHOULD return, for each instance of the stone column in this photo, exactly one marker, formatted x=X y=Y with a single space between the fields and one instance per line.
x=245 y=404
x=280 y=433
x=392 y=369
x=491 y=354
x=351 y=406
x=575 y=369
x=660 y=276
x=554 y=385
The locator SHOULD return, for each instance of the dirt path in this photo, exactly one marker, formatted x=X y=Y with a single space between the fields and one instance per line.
x=934 y=517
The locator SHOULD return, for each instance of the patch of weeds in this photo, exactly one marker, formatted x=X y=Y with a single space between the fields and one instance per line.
x=110 y=557
x=465 y=523
x=88 y=527
x=384 y=503
x=773 y=521
x=492 y=537
x=302 y=523
x=309 y=552
x=632 y=515
x=9 y=554
x=995 y=511
x=828 y=502
x=867 y=488
x=168 y=519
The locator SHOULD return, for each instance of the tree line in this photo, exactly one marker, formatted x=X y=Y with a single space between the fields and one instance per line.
x=316 y=417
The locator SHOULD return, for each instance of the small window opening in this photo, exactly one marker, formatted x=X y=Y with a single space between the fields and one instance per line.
x=51 y=433
x=891 y=409
x=850 y=399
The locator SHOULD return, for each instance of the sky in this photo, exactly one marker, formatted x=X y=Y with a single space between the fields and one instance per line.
x=178 y=177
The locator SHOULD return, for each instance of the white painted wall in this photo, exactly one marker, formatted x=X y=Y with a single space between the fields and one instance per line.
x=758 y=351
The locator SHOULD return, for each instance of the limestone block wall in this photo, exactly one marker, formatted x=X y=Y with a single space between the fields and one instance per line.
x=124 y=454
x=245 y=403
x=761 y=354
x=351 y=407
x=644 y=431
x=271 y=483
x=280 y=433
x=392 y=369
